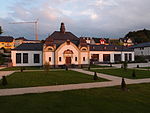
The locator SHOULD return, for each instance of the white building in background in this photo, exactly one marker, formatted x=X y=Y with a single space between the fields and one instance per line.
x=142 y=49
x=64 y=48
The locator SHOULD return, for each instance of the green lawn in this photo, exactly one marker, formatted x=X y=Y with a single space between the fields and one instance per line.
x=98 y=66
x=19 y=68
x=125 y=73
x=42 y=78
x=145 y=67
x=101 y=100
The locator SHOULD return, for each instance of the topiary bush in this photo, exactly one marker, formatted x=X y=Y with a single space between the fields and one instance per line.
x=123 y=85
x=95 y=77
x=133 y=74
x=4 y=81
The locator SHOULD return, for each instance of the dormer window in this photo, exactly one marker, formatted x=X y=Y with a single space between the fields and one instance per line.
x=84 y=49
x=50 y=49
x=115 y=48
x=105 y=48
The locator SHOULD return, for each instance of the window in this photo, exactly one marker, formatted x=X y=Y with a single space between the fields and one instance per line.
x=76 y=58
x=95 y=57
x=18 y=58
x=50 y=49
x=126 y=57
x=36 y=58
x=83 y=49
x=50 y=59
x=130 y=57
x=117 y=57
x=83 y=58
x=25 y=57
x=60 y=59
x=106 y=58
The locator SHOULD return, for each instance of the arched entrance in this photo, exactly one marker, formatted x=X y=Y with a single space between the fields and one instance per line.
x=68 y=54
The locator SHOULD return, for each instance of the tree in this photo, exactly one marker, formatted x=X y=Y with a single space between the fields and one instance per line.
x=1 y=31
x=46 y=66
x=1 y=59
x=125 y=65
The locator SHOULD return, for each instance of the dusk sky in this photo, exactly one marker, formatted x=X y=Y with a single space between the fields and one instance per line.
x=92 y=18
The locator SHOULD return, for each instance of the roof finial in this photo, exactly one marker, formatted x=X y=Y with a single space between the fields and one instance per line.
x=62 y=28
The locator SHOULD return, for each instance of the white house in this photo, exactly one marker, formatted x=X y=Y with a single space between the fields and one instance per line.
x=28 y=54
x=64 y=48
x=142 y=49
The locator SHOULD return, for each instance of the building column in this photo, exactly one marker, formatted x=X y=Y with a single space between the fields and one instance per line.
x=128 y=57
x=112 y=58
x=122 y=57
x=133 y=57
x=100 y=57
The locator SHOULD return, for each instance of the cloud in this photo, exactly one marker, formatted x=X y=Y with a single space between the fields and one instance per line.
x=97 y=18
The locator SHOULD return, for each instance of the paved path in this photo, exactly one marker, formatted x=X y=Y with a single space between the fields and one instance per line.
x=2 y=68
x=5 y=73
x=114 y=82
x=130 y=65
x=108 y=77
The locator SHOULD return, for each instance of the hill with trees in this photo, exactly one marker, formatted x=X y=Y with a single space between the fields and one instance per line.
x=139 y=36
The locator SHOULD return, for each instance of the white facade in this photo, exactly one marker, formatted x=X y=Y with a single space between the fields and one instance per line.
x=59 y=56
x=112 y=55
x=30 y=58
x=67 y=54
x=143 y=51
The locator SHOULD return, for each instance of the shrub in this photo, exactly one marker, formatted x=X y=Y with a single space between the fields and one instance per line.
x=4 y=81
x=89 y=68
x=123 y=85
x=125 y=65
x=66 y=68
x=133 y=74
x=22 y=68
x=46 y=66
x=95 y=77
x=1 y=59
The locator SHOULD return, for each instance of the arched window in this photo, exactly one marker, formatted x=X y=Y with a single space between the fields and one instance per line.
x=84 y=49
x=50 y=49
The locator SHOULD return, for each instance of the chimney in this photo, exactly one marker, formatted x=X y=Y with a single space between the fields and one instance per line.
x=62 y=28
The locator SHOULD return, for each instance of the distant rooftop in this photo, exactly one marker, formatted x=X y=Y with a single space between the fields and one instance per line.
x=6 y=39
x=30 y=47
x=109 y=48
x=146 y=44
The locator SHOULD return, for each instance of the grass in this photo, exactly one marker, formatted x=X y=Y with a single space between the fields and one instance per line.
x=98 y=66
x=101 y=100
x=124 y=73
x=145 y=67
x=18 y=68
x=42 y=78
